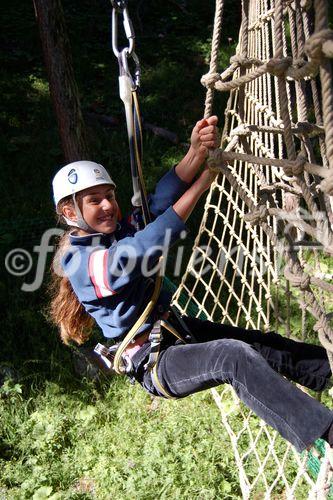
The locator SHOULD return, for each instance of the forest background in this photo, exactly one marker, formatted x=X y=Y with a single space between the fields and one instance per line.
x=65 y=435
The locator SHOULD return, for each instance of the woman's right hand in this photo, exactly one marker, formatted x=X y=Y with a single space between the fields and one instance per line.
x=186 y=203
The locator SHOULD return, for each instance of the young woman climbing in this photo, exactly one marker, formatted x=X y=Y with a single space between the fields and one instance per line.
x=108 y=276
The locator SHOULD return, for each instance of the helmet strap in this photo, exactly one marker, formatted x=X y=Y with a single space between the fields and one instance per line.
x=81 y=223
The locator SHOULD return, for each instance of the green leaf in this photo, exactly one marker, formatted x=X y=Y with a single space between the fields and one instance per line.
x=42 y=493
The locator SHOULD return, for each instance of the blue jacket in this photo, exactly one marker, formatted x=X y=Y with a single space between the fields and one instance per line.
x=112 y=275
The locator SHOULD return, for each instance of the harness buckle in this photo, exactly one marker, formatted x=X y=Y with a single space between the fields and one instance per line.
x=107 y=355
x=155 y=338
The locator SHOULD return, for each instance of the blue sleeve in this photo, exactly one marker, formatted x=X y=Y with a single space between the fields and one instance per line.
x=167 y=191
x=137 y=255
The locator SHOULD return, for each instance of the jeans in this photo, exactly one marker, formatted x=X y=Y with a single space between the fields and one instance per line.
x=252 y=362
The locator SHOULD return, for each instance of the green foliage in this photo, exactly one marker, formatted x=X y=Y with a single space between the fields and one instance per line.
x=113 y=441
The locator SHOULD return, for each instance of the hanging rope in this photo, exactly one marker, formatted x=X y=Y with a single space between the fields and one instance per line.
x=128 y=91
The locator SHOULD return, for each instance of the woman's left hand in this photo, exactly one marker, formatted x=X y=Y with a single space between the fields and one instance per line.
x=204 y=136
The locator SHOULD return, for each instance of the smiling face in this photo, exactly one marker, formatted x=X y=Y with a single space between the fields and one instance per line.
x=99 y=208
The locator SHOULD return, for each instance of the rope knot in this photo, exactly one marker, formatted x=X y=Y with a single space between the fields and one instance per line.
x=257 y=216
x=242 y=129
x=319 y=326
x=326 y=185
x=306 y=4
x=209 y=79
x=298 y=279
x=295 y=168
x=215 y=161
x=278 y=67
x=304 y=127
x=246 y=62
x=236 y=59
x=305 y=282
x=288 y=170
x=299 y=62
x=298 y=167
x=324 y=330
x=320 y=45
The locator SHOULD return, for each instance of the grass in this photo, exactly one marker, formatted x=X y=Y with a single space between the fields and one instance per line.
x=111 y=441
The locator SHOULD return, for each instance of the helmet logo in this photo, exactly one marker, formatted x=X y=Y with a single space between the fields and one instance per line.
x=72 y=176
x=98 y=174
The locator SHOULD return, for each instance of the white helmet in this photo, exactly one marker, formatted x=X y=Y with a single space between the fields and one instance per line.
x=76 y=177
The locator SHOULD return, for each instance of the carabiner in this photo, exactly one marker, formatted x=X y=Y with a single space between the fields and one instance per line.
x=128 y=28
x=124 y=67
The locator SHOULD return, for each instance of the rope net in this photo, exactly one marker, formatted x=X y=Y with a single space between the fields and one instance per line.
x=262 y=254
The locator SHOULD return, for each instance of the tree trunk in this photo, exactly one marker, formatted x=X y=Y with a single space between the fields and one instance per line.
x=63 y=87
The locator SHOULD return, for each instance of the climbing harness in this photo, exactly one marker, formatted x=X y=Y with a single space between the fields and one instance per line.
x=115 y=358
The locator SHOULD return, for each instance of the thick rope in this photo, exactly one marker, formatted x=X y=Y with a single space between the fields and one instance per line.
x=220 y=157
x=213 y=57
x=317 y=47
x=321 y=27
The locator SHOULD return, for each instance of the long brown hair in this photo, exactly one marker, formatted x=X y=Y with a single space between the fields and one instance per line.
x=65 y=310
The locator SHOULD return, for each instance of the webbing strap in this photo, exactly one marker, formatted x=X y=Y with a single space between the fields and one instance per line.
x=128 y=91
x=129 y=97
x=158 y=384
x=152 y=364
x=137 y=126
x=155 y=338
x=118 y=362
